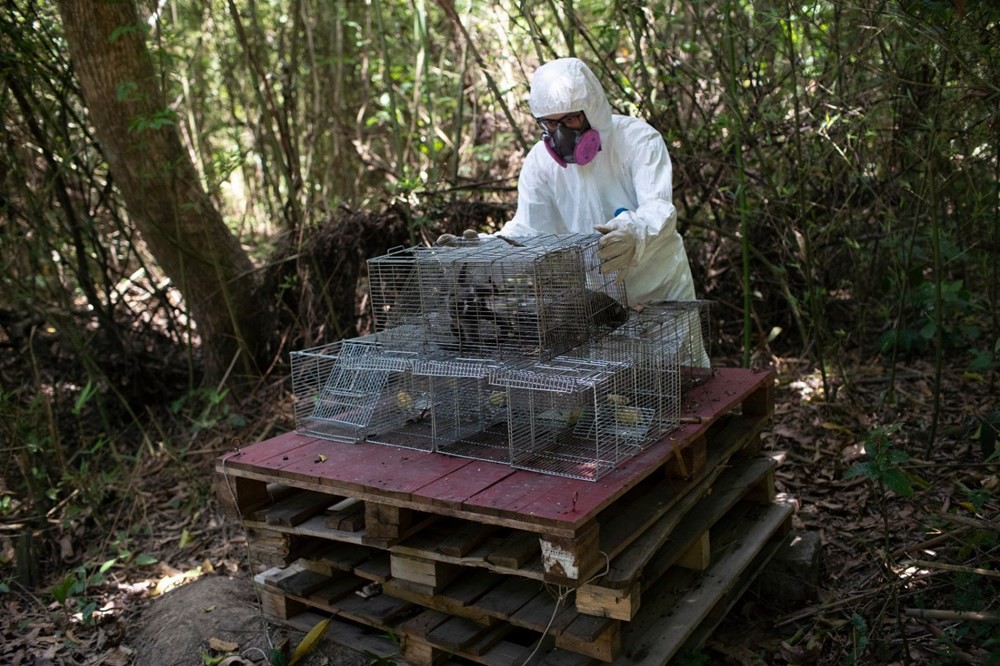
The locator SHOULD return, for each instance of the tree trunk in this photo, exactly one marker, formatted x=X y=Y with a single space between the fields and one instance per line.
x=160 y=186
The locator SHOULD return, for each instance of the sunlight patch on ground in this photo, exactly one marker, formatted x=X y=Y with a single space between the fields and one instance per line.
x=809 y=386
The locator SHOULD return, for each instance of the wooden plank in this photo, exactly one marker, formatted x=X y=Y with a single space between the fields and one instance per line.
x=616 y=603
x=698 y=555
x=336 y=588
x=728 y=386
x=470 y=586
x=760 y=401
x=544 y=612
x=277 y=607
x=457 y=633
x=426 y=597
x=722 y=607
x=430 y=573
x=485 y=642
x=617 y=594
x=416 y=651
x=507 y=598
x=669 y=618
x=302 y=583
x=422 y=624
x=347 y=634
x=381 y=610
x=463 y=537
x=370 y=470
x=350 y=518
x=688 y=461
x=454 y=488
x=377 y=568
x=273 y=576
x=240 y=496
x=387 y=521
x=346 y=556
x=565 y=658
x=298 y=507
x=515 y=550
x=628 y=519
x=313 y=527
x=264 y=455
x=596 y=637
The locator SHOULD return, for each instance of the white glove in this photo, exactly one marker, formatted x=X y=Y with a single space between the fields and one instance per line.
x=617 y=247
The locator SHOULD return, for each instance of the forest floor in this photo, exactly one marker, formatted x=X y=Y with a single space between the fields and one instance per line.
x=906 y=577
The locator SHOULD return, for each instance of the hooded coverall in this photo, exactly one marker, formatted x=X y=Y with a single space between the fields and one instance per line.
x=632 y=171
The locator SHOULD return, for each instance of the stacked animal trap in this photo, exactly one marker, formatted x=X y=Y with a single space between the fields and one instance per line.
x=519 y=352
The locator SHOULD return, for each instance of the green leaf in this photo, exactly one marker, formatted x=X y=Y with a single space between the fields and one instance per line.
x=88 y=611
x=143 y=560
x=61 y=591
x=85 y=395
x=897 y=456
x=898 y=482
x=861 y=469
x=210 y=660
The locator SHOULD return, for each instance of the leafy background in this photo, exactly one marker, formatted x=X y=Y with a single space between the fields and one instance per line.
x=836 y=175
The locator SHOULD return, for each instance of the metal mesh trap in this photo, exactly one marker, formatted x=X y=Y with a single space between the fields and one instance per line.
x=568 y=417
x=355 y=390
x=493 y=299
x=470 y=411
x=691 y=322
x=327 y=401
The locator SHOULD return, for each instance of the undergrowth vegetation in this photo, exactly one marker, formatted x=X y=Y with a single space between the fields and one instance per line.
x=836 y=176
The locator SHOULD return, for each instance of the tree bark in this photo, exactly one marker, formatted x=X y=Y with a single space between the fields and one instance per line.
x=165 y=200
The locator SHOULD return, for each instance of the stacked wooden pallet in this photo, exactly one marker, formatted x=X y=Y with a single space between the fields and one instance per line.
x=470 y=560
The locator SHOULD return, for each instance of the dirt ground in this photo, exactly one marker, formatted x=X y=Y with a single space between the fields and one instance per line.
x=175 y=628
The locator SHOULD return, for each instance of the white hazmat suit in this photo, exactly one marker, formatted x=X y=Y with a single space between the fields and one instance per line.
x=631 y=173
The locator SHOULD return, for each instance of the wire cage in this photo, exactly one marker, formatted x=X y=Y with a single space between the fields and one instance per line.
x=470 y=411
x=355 y=390
x=652 y=344
x=530 y=298
x=691 y=322
x=325 y=403
x=568 y=416
x=394 y=294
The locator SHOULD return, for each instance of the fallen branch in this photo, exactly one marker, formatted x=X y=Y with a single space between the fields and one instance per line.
x=955 y=567
x=954 y=652
x=929 y=543
x=960 y=616
x=977 y=523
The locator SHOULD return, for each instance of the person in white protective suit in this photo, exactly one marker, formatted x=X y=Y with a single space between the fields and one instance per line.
x=598 y=171
x=594 y=170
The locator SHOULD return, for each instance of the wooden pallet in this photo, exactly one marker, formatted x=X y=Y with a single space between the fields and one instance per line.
x=489 y=564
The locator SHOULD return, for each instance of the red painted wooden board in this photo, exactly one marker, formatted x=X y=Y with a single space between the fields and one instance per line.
x=473 y=487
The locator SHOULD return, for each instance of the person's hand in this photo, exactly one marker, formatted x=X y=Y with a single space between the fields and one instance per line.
x=451 y=240
x=616 y=249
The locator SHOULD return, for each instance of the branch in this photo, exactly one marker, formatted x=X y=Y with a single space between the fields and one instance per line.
x=961 y=616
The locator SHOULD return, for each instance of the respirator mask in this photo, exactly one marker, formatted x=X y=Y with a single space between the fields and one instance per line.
x=570 y=139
